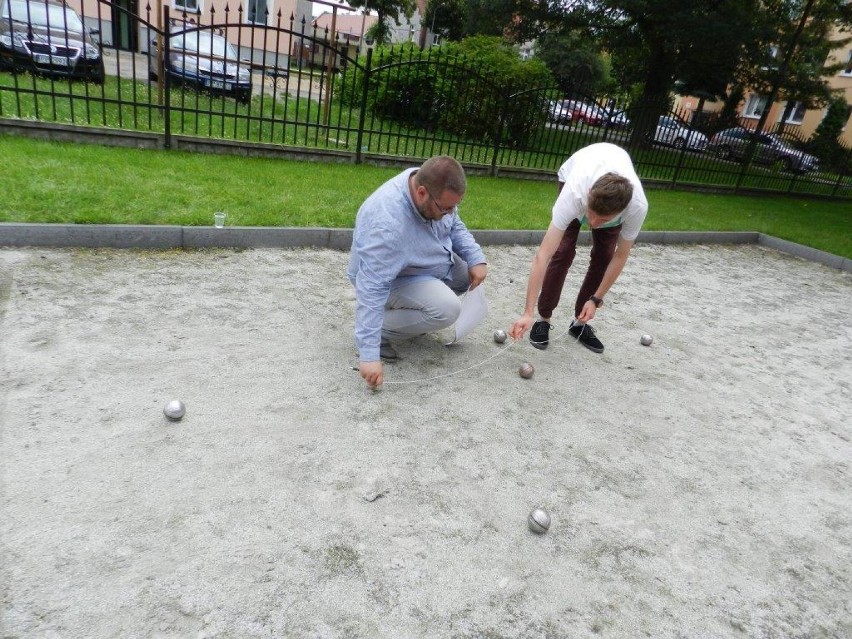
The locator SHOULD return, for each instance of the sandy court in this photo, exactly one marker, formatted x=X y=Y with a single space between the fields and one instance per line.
x=699 y=487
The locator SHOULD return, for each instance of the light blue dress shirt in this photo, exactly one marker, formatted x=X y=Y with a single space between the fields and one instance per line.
x=392 y=246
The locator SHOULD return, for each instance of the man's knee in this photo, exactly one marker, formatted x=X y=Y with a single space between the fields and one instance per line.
x=446 y=310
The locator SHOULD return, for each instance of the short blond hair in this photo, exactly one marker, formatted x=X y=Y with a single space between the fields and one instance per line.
x=441 y=173
x=610 y=194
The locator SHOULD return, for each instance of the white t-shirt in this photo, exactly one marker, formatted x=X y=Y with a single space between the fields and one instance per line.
x=581 y=171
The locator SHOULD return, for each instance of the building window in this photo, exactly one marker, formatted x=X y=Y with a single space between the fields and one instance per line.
x=189 y=6
x=797 y=114
x=848 y=69
x=755 y=106
x=257 y=11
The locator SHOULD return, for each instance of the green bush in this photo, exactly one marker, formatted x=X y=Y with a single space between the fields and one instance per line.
x=476 y=88
x=825 y=143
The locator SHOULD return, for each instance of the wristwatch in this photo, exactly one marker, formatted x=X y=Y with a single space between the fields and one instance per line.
x=597 y=300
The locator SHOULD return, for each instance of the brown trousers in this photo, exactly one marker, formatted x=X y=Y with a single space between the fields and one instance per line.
x=603 y=248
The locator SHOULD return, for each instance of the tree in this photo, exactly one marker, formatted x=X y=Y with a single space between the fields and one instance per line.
x=515 y=20
x=789 y=60
x=658 y=42
x=574 y=61
x=447 y=18
x=825 y=143
x=386 y=10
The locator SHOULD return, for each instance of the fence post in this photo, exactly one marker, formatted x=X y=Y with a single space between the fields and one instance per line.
x=167 y=85
x=841 y=173
x=498 y=134
x=682 y=155
x=363 y=115
x=744 y=166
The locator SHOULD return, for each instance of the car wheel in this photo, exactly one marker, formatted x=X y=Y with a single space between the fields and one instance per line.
x=785 y=163
x=724 y=152
x=679 y=144
x=99 y=76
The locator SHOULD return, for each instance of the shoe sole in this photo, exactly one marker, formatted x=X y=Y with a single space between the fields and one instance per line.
x=539 y=345
x=591 y=348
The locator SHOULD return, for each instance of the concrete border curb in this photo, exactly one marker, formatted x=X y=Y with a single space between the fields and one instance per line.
x=13 y=234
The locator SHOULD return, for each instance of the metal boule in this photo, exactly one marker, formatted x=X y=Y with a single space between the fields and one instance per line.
x=174 y=410
x=539 y=521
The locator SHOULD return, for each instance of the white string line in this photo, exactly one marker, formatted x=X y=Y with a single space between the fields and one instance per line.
x=502 y=351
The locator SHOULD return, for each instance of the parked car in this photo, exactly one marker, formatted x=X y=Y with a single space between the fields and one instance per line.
x=617 y=120
x=558 y=113
x=769 y=149
x=205 y=61
x=46 y=36
x=673 y=132
x=584 y=112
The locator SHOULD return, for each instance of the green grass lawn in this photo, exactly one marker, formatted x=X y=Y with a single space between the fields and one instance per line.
x=89 y=184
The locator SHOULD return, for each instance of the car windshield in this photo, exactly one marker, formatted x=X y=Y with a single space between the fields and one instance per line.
x=776 y=141
x=43 y=14
x=204 y=43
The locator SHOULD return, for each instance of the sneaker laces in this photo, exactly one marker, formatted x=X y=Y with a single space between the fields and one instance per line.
x=549 y=328
x=584 y=328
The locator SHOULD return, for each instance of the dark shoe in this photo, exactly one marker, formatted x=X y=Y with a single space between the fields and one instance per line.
x=586 y=336
x=540 y=334
x=387 y=352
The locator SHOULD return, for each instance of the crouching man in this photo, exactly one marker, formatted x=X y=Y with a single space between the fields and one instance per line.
x=411 y=258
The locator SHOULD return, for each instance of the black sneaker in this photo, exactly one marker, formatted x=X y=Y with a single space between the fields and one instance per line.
x=586 y=336
x=387 y=352
x=540 y=334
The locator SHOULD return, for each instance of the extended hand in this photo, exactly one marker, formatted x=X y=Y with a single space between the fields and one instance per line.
x=520 y=326
x=477 y=274
x=588 y=312
x=372 y=372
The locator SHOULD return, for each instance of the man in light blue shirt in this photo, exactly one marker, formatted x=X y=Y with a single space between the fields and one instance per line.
x=411 y=257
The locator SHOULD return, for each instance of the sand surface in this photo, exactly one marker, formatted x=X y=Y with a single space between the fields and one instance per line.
x=699 y=487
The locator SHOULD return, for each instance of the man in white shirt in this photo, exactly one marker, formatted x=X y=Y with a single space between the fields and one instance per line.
x=599 y=187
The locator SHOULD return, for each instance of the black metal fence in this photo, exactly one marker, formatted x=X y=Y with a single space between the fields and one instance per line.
x=273 y=81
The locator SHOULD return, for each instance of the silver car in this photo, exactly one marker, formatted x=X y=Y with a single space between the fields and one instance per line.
x=672 y=132
x=768 y=149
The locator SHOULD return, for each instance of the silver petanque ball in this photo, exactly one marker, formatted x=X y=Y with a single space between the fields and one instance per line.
x=646 y=340
x=539 y=521
x=499 y=336
x=174 y=410
x=526 y=370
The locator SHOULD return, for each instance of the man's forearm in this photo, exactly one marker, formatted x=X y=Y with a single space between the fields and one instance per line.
x=534 y=284
x=611 y=274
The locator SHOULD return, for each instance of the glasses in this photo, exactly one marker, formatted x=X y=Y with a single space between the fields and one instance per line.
x=450 y=211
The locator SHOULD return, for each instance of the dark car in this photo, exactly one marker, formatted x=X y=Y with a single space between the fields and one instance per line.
x=617 y=119
x=205 y=61
x=768 y=149
x=674 y=132
x=558 y=113
x=45 y=36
